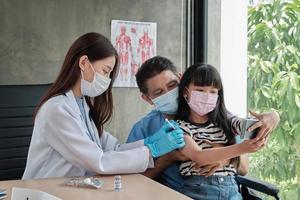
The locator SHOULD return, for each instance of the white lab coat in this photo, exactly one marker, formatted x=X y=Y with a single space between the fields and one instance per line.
x=60 y=145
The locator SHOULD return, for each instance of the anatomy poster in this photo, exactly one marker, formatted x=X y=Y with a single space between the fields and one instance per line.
x=135 y=43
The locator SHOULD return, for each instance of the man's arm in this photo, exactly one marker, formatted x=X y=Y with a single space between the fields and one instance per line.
x=163 y=162
x=243 y=167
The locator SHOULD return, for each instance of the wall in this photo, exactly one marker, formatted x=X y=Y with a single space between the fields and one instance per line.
x=234 y=55
x=214 y=33
x=35 y=35
x=227 y=49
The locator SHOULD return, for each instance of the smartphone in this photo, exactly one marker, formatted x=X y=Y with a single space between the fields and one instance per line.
x=245 y=125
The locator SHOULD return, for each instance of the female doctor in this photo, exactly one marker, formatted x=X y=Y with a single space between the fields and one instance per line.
x=68 y=137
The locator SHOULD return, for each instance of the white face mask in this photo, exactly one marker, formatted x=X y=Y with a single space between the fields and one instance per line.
x=98 y=86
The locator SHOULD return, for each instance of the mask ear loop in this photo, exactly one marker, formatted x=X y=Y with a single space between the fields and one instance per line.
x=152 y=101
x=82 y=77
x=92 y=70
x=185 y=97
x=81 y=71
x=155 y=107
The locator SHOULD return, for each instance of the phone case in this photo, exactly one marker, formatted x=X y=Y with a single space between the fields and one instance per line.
x=245 y=125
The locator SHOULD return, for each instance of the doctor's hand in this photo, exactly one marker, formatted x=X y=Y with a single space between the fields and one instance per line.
x=165 y=129
x=165 y=140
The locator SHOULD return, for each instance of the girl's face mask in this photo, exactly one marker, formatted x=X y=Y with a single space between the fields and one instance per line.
x=202 y=102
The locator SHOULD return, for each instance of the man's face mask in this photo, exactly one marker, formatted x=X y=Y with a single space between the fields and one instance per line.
x=167 y=103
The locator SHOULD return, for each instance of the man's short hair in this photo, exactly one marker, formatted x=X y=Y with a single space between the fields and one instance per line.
x=151 y=68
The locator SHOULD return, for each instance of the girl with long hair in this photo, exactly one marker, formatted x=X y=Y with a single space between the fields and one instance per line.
x=210 y=130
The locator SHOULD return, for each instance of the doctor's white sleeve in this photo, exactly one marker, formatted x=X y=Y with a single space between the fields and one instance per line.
x=110 y=143
x=67 y=136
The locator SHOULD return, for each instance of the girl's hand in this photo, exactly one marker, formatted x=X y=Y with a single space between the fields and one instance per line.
x=253 y=145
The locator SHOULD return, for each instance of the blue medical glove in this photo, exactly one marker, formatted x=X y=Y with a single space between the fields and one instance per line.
x=161 y=132
x=175 y=124
x=166 y=128
x=165 y=143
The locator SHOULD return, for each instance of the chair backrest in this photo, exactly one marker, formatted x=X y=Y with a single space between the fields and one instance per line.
x=17 y=105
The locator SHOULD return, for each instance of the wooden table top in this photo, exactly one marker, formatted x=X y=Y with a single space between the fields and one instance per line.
x=134 y=186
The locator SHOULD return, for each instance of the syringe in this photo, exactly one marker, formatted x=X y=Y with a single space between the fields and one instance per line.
x=170 y=123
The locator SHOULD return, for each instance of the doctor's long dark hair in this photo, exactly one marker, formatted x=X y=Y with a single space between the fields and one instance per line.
x=205 y=75
x=96 y=47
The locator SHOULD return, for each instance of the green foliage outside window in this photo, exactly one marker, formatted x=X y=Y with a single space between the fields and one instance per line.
x=274 y=82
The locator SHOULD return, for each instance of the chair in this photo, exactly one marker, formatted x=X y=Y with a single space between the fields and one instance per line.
x=247 y=184
x=17 y=104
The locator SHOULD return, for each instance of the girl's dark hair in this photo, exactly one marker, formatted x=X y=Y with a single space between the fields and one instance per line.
x=205 y=75
x=96 y=47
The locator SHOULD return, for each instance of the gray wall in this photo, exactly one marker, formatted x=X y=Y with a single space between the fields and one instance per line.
x=214 y=33
x=35 y=35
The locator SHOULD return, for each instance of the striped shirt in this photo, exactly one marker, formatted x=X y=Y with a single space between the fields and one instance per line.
x=206 y=136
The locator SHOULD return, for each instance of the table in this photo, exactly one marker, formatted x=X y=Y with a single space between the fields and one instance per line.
x=134 y=186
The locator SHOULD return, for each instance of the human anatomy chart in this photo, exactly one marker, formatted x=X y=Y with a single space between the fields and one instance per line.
x=135 y=43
